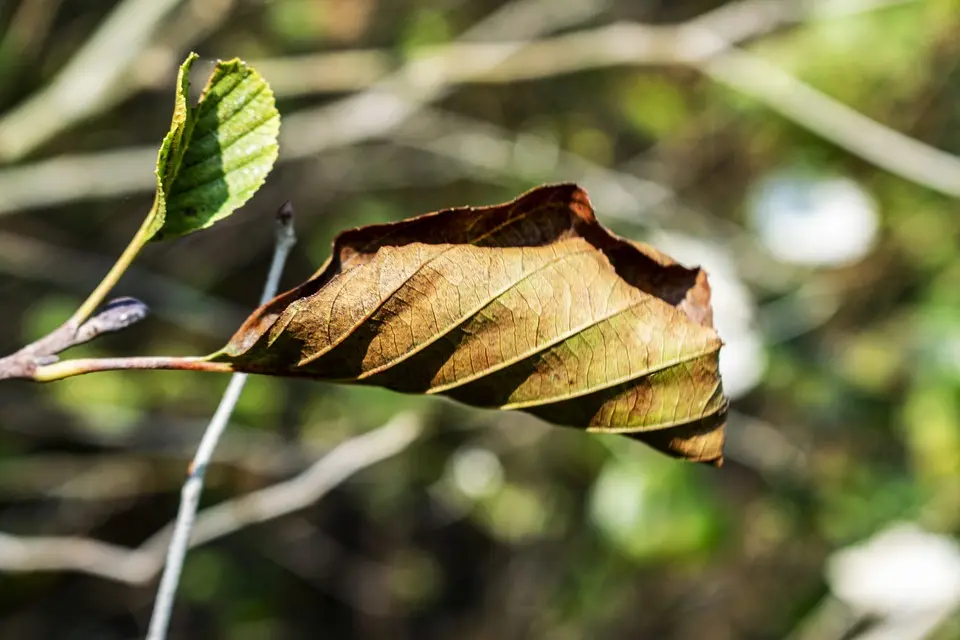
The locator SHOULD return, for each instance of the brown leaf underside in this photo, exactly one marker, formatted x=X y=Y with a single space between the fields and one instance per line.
x=528 y=305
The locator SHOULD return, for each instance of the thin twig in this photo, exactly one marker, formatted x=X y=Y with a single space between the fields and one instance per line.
x=116 y=315
x=189 y=501
x=193 y=487
x=140 y=565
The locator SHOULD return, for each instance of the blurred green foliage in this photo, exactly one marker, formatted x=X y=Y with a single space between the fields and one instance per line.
x=493 y=525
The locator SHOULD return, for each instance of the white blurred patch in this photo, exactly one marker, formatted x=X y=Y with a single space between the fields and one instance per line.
x=618 y=502
x=476 y=472
x=900 y=571
x=742 y=358
x=947 y=353
x=813 y=220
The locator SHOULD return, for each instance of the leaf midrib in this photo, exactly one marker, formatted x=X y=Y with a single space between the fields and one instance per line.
x=384 y=299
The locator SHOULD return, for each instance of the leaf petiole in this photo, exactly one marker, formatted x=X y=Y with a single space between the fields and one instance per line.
x=69 y=368
x=97 y=296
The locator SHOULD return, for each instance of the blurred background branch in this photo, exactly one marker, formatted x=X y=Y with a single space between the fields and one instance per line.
x=83 y=86
x=141 y=565
x=704 y=42
x=805 y=153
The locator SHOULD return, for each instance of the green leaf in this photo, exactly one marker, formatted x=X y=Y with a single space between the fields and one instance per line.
x=173 y=146
x=216 y=154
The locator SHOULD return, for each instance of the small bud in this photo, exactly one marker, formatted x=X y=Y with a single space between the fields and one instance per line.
x=117 y=314
x=285 y=213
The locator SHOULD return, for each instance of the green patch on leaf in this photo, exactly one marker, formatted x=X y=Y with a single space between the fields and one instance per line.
x=217 y=153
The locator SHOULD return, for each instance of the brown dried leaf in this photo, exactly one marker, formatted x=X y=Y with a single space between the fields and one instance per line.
x=528 y=305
